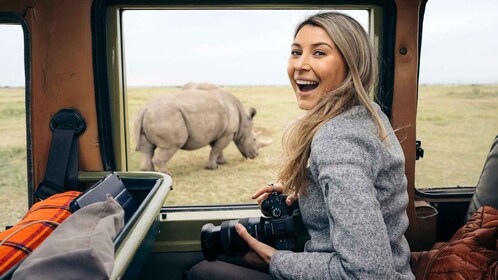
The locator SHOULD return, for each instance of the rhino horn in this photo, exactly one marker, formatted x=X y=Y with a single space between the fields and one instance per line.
x=263 y=143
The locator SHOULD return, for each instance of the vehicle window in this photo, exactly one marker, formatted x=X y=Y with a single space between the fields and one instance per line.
x=13 y=162
x=243 y=52
x=458 y=94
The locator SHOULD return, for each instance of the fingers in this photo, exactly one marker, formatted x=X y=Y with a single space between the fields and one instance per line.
x=262 y=197
x=276 y=187
x=242 y=231
x=261 y=253
x=291 y=199
x=264 y=190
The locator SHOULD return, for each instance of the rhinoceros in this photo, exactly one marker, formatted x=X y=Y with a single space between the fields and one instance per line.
x=201 y=86
x=190 y=120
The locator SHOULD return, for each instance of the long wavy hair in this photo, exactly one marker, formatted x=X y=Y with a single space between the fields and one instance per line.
x=361 y=61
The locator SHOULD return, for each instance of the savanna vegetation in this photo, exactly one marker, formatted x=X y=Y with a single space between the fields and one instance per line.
x=13 y=174
x=456 y=124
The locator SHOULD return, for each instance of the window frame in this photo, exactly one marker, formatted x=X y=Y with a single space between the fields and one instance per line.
x=109 y=64
x=437 y=193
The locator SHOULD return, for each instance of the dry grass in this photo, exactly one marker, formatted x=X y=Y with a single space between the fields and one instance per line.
x=455 y=123
x=13 y=174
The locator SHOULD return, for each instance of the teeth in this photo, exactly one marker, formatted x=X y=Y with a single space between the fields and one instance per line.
x=303 y=82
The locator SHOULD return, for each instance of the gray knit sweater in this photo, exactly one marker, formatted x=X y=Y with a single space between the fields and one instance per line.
x=354 y=207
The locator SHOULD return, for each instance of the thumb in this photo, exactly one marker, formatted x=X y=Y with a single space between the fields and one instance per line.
x=242 y=231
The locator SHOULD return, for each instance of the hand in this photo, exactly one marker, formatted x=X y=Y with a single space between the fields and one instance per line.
x=265 y=191
x=260 y=254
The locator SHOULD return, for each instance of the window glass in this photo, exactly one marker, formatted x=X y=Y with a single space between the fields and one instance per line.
x=244 y=52
x=13 y=166
x=458 y=94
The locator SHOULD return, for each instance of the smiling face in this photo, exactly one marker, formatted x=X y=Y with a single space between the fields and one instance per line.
x=315 y=67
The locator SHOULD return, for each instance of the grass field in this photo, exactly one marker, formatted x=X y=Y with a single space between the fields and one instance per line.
x=456 y=124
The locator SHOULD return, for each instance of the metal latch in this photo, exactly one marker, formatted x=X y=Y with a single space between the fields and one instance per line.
x=419 y=151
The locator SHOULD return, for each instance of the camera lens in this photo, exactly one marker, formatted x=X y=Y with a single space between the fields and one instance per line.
x=224 y=239
x=230 y=239
x=210 y=241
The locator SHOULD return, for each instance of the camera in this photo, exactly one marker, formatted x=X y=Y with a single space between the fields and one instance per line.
x=276 y=230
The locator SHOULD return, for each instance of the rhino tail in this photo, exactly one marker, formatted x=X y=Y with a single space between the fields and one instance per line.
x=138 y=125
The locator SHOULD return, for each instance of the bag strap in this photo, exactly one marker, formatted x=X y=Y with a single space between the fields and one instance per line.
x=62 y=167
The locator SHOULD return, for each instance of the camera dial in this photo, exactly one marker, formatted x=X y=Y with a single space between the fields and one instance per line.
x=274 y=206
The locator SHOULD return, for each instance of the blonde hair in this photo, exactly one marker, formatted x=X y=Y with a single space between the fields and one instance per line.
x=361 y=61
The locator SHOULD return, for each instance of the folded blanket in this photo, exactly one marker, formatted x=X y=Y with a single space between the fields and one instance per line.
x=39 y=222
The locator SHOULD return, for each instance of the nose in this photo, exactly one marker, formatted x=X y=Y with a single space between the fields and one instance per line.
x=302 y=63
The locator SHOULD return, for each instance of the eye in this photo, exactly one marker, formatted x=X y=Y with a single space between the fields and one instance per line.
x=319 y=53
x=295 y=52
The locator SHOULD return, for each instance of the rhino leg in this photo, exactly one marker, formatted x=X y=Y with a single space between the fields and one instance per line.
x=217 y=151
x=162 y=156
x=221 y=159
x=146 y=153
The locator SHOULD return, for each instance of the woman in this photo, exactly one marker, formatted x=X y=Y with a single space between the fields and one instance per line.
x=342 y=162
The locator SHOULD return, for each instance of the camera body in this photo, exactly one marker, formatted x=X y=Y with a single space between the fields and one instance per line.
x=274 y=206
x=276 y=230
x=280 y=220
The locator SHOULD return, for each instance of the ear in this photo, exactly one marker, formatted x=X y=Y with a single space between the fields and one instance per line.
x=252 y=113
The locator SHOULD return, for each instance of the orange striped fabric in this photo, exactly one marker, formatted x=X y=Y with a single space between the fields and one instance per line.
x=38 y=223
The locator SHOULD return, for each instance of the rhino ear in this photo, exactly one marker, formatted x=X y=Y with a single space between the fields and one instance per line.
x=189 y=85
x=252 y=113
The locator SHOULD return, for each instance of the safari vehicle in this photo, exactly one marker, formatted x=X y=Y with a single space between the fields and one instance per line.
x=75 y=58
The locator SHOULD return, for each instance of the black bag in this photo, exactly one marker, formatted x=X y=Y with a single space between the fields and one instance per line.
x=109 y=185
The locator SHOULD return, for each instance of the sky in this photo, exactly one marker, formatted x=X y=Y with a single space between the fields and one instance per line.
x=251 y=47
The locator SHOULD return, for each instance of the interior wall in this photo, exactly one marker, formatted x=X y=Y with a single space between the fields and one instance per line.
x=61 y=72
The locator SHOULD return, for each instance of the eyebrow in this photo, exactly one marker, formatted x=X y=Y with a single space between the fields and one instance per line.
x=314 y=45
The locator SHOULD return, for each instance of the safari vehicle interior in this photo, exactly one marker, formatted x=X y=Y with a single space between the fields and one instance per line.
x=74 y=57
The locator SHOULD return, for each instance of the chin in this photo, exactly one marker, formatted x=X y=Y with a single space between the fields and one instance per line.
x=306 y=102
x=303 y=105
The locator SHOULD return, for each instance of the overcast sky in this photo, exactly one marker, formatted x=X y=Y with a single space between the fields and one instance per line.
x=251 y=47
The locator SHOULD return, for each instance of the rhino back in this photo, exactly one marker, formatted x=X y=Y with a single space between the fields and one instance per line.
x=163 y=124
x=191 y=119
x=208 y=115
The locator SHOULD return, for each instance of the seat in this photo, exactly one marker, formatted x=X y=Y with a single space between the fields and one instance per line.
x=473 y=248
x=486 y=192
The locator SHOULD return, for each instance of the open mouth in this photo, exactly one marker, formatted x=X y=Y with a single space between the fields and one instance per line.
x=306 y=85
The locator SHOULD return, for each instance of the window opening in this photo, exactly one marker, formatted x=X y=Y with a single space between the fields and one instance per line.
x=13 y=159
x=245 y=53
x=458 y=92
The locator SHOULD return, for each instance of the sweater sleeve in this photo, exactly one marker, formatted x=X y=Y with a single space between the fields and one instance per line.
x=344 y=162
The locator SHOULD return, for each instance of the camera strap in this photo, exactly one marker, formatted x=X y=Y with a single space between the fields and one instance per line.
x=62 y=167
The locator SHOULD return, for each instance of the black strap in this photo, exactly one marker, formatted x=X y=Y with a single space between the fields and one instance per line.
x=62 y=167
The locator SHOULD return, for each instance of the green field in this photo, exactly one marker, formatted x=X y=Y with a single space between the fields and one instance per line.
x=456 y=124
